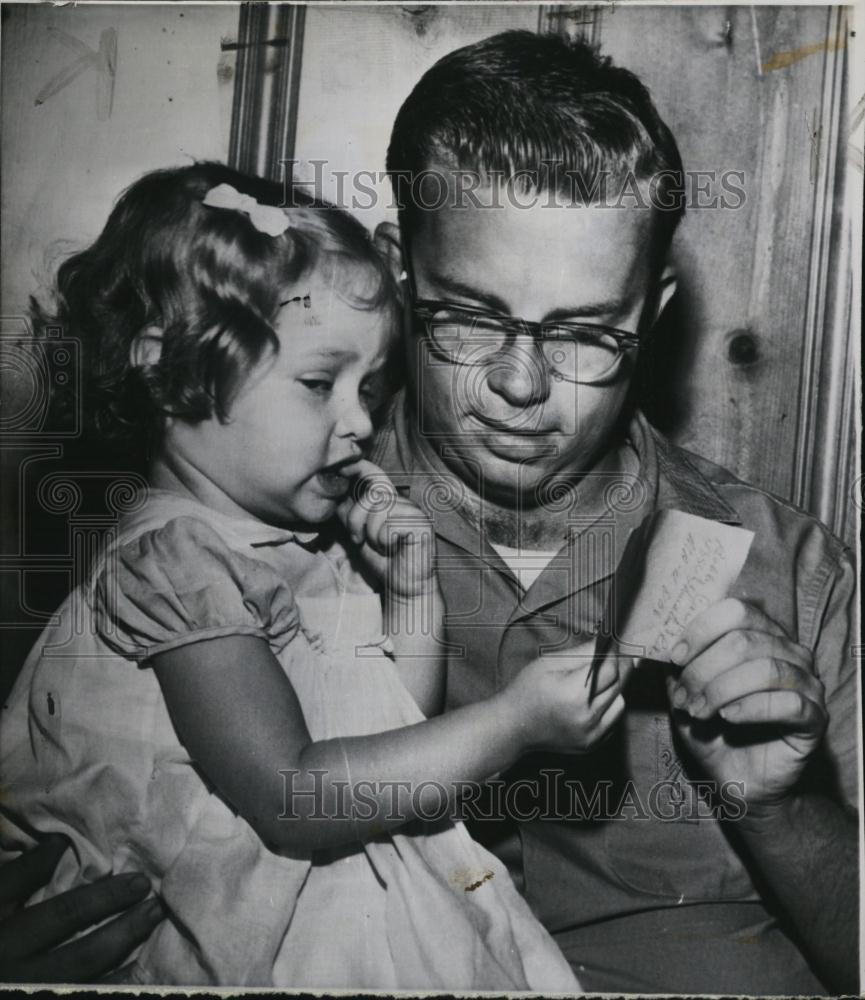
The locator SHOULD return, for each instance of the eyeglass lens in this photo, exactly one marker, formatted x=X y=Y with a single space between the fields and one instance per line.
x=476 y=340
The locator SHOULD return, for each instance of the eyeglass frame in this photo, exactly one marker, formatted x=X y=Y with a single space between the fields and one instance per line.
x=625 y=340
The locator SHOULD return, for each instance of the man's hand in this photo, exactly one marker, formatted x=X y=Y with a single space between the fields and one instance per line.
x=749 y=709
x=748 y=706
x=28 y=935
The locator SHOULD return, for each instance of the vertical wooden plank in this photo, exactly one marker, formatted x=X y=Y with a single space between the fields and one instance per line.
x=282 y=121
x=823 y=473
x=247 y=113
x=264 y=113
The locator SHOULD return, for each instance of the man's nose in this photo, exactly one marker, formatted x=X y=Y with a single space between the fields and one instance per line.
x=518 y=373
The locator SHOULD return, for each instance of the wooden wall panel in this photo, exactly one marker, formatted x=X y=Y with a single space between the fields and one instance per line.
x=752 y=89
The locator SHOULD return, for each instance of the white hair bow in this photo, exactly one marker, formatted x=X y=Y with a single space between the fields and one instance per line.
x=266 y=218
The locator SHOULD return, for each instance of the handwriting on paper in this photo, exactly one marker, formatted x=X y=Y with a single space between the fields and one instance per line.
x=690 y=564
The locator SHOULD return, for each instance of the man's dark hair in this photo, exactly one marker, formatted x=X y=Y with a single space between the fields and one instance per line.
x=520 y=103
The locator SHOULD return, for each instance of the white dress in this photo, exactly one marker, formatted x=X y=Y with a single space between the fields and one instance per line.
x=87 y=749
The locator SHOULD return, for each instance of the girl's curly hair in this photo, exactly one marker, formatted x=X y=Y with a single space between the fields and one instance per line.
x=207 y=279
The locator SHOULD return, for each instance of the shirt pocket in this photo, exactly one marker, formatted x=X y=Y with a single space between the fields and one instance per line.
x=663 y=836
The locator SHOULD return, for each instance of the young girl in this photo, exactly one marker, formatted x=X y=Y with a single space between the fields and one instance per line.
x=234 y=720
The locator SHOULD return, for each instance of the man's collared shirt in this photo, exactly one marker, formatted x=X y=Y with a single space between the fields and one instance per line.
x=626 y=831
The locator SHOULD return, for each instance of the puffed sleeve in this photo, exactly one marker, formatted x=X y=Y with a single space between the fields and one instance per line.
x=180 y=584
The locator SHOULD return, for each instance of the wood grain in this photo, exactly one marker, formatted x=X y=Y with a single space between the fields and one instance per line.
x=746 y=289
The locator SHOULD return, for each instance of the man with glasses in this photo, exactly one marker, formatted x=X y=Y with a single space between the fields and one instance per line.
x=531 y=276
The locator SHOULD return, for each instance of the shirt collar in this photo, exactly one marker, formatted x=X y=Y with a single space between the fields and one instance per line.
x=673 y=479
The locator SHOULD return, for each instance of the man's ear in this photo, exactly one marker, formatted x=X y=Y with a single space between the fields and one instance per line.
x=388 y=242
x=146 y=348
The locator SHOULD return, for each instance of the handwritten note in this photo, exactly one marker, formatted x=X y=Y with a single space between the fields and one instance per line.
x=684 y=565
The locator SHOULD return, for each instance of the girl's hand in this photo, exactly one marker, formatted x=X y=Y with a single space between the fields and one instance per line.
x=395 y=537
x=560 y=707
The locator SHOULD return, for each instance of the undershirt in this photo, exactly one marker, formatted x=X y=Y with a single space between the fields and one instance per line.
x=526 y=564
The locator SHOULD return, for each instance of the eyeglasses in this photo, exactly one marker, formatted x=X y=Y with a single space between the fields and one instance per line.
x=573 y=352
